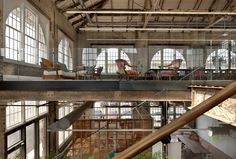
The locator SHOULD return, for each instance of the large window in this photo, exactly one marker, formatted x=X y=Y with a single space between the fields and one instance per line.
x=89 y=56
x=112 y=110
x=219 y=59
x=107 y=58
x=24 y=37
x=13 y=114
x=64 y=54
x=29 y=134
x=19 y=112
x=165 y=56
x=64 y=135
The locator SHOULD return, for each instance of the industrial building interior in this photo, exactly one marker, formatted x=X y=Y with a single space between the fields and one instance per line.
x=121 y=79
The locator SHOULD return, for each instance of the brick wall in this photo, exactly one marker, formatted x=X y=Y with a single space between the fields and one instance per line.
x=10 y=68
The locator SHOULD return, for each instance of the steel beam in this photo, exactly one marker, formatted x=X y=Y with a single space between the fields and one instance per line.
x=164 y=131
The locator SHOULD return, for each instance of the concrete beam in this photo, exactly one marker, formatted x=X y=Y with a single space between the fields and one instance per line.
x=165 y=95
x=69 y=119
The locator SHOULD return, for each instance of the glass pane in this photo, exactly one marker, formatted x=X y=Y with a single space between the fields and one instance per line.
x=13 y=114
x=30 y=111
x=42 y=139
x=17 y=154
x=13 y=138
x=30 y=142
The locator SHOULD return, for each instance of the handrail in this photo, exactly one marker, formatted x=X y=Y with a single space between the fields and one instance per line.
x=176 y=124
x=190 y=73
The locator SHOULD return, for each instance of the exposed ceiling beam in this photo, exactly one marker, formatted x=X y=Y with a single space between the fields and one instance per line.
x=89 y=8
x=173 y=19
x=151 y=12
x=156 y=29
x=59 y=1
x=215 y=22
x=70 y=118
x=161 y=3
x=161 y=39
x=196 y=7
x=98 y=7
x=153 y=8
x=73 y=5
x=84 y=7
x=112 y=17
x=219 y=19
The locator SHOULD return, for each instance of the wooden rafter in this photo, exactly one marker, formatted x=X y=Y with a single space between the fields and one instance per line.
x=59 y=1
x=161 y=3
x=92 y=15
x=173 y=19
x=218 y=19
x=73 y=5
x=147 y=17
x=196 y=7
x=95 y=5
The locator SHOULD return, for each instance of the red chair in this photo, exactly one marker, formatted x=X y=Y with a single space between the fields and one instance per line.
x=199 y=74
x=122 y=72
x=172 y=69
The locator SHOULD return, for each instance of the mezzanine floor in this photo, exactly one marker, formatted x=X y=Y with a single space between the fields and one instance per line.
x=103 y=90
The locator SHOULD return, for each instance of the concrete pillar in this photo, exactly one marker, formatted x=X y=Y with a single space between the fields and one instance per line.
x=142 y=51
x=52 y=136
x=2 y=130
x=82 y=43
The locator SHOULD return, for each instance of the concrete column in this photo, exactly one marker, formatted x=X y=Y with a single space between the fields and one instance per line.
x=2 y=130
x=142 y=51
x=52 y=136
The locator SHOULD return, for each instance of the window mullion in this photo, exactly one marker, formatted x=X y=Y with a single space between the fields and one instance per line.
x=37 y=41
x=22 y=34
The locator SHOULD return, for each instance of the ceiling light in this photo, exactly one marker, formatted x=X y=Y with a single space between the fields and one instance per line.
x=149 y=12
x=225 y=34
x=155 y=29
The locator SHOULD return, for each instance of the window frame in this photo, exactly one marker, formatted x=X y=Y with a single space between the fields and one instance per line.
x=27 y=51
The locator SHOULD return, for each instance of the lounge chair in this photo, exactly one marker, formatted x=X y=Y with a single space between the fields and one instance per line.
x=172 y=69
x=122 y=72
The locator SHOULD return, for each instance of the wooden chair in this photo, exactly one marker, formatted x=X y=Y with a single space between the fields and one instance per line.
x=122 y=72
x=58 y=71
x=49 y=70
x=97 y=72
x=172 y=69
x=199 y=74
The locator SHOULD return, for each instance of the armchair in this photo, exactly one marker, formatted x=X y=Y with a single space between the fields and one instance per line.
x=57 y=71
x=122 y=72
x=64 y=72
x=49 y=70
x=172 y=69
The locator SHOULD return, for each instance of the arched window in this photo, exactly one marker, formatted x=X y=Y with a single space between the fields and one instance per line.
x=13 y=35
x=42 y=45
x=219 y=59
x=24 y=40
x=156 y=60
x=107 y=58
x=64 y=54
x=168 y=56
